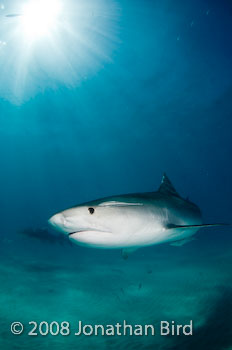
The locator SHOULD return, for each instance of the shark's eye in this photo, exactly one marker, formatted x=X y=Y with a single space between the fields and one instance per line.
x=91 y=210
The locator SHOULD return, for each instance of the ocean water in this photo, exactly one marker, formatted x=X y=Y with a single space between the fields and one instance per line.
x=102 y=102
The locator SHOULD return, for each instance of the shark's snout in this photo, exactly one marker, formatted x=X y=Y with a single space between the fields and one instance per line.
x=57 y=221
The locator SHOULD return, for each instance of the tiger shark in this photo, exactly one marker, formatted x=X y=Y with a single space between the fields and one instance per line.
x=131 y=221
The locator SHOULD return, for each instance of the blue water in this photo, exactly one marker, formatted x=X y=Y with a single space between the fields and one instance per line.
x=132 y=89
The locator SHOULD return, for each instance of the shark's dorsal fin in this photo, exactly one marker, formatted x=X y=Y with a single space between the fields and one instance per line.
x=167 y=187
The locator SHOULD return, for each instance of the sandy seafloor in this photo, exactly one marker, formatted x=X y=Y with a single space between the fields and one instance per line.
x=64 y=283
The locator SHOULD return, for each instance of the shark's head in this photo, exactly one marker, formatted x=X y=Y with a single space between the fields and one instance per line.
x=100 y=224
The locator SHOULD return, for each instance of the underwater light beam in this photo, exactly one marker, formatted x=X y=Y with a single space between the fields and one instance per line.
x=39 y=17
x=55 y=42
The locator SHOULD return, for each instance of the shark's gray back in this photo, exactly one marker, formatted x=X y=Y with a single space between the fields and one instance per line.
x=165 y=204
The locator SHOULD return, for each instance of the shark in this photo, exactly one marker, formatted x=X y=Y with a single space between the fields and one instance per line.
x=131 y=221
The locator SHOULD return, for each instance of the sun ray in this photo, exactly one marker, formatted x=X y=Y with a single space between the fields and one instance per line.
x=54 y=41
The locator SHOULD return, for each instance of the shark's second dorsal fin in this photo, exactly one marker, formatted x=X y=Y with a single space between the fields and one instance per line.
x=167 y=187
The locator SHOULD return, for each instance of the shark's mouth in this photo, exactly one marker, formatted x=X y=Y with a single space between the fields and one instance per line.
x=87 y=230
x=72 y=233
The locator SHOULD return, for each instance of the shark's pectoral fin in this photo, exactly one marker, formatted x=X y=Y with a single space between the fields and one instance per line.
x=127 y=251
x=173 y=226
x=181 y=242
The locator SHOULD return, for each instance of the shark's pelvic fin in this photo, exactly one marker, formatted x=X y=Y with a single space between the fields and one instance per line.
x=127 y=251
x=173 y=226
x=167 y=187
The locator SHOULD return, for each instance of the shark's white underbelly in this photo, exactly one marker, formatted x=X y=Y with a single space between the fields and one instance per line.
x=137 y=238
